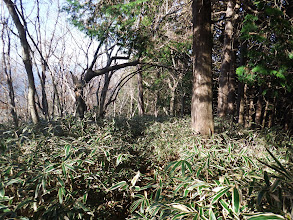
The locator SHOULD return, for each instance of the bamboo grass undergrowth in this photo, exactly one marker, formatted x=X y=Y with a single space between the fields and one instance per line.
x=144 y=168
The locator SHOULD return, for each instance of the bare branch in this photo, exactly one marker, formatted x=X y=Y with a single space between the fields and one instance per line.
x=90 y=74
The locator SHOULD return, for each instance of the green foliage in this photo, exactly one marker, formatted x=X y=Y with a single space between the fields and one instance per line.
x=269 y=36
x=128 y=24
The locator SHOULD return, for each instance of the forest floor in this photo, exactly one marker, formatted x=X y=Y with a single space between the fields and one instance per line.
x=144 y=168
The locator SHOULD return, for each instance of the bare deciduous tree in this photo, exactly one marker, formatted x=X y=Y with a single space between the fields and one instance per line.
x=27 y=60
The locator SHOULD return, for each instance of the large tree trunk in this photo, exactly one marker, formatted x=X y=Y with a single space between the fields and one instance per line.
x=140 y=93
x=225 y=92
x=26 y=58
x=201 y=106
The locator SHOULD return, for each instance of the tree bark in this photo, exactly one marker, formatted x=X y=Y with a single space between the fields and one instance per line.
x=140 y=93
x=225 y=92
x=202 y=96
x=26 y=58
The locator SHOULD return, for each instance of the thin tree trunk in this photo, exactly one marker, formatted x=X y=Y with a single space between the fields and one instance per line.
x=44 y=95
x=103 y=95
x=182 y=104
x=258 y=111
x=53 y=105
x=241 y=102
x=157 y=98
x=232 y=81
x=79 y=97
x=201 y=105
x=7 y=71
x=26 y=58
x=172 y=102
x=250 y=112
x=241 y=87
x=246 y=114
x=140 y=93
x=272 y=113
x=225 y=89
x=56 y=95
x=265 y=114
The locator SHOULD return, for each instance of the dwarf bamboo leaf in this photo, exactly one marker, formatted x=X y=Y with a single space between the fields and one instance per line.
x=266 y=177
x=61 y=181
x=61 y=194
x=265 y=216
x=188 y=166
x=37 y=190
x=236 y=200
x=178 y=163
x=179 y=187
x=220 y=194
x=180 y=216
x=158 y=194
x=181 y=207
x=275 y=185
x=67 y=150
x=13 y=181
x=260 y=196
x=23 y=203
x=212 y=215
x=279 y=163
x=50 y=168
x=183 y=167
x=118 y=185
x=2 y=190
x=70 y=167
x=225 y=205
x=135 y=178
x=63 y=169
x=119 y=159
x=135 y=204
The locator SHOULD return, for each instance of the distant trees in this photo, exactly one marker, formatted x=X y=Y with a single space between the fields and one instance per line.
x=6 y=65
x=244 y=61
x=266 y=74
